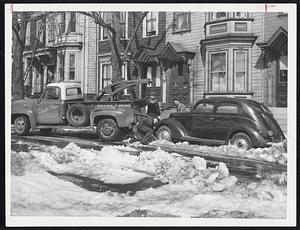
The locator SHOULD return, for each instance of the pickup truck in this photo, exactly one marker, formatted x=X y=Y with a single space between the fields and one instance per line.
x=61 y=105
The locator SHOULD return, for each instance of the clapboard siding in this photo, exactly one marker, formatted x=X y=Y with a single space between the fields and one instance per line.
x=91 y=62
x=274 y=20
x=280 y=114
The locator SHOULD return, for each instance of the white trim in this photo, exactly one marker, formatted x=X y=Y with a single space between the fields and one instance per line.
x=156 y=25
x=28 y=33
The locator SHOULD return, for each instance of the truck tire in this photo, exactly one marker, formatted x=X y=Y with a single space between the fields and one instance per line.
x=108 y=130
x=164 y=133
x=78 y=115
x=21 y=125
x=241 y=140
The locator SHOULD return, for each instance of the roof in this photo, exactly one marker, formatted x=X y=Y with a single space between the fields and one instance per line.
x=65 y=84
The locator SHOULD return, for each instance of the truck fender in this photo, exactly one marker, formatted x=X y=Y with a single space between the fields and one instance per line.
x=177 y=129
x=30 y=116
x=123 y=119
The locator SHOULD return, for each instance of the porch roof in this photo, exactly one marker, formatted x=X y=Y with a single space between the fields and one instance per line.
x=175 y=52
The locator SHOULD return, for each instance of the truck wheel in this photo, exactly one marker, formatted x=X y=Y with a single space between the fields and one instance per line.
x=45 y=131
x=22 y=125
x=164 y=133
x=108 y=130
x=78 y=115
x=242 y=141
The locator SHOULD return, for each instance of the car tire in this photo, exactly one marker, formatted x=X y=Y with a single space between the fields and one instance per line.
x=21 y=125
x=45 y=131
x=241 y=141
x=164 y=133
x=78 y=115
x=108 y=130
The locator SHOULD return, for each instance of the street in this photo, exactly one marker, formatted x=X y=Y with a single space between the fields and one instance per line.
x=69 y=175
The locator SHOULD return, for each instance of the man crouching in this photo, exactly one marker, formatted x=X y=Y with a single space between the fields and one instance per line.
x=144 y=127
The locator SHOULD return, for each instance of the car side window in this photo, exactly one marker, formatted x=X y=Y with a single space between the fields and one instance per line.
x=228 y=108
x=51 y=94
x=204 y=108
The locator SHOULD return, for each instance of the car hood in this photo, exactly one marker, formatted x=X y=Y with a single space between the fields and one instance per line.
x=24 y=102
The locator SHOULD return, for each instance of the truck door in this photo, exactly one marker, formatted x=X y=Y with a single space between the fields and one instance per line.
x=48 y=108
x=203 y=120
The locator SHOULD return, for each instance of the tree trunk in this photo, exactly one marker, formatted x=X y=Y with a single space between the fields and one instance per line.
x=115 y=58
x=18 y=37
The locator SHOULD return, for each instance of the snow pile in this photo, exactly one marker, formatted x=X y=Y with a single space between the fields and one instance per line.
x=275 y=154
x=193 y=189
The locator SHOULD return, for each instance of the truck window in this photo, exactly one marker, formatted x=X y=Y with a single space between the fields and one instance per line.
x=51 y=94
x=73 y=91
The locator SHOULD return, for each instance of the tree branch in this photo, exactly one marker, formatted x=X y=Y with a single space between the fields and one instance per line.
x=133 y=35
x=18 y=36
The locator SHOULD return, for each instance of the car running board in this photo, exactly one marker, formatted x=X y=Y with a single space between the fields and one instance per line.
x=202 y=140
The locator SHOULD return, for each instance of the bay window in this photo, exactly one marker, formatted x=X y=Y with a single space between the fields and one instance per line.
x=228 y=71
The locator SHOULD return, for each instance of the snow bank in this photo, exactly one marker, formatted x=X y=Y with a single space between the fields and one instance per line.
x=193 y=190
x=275 y=154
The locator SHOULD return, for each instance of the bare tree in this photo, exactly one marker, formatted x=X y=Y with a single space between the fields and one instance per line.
x=19 y=24
x=113 y=32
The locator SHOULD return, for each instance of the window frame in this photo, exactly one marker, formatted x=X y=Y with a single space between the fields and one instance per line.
x=52 y=87
x=235 y=51
x=204 y=102
x=156 y=17
x=175 y=20
x=101 y=29
x=239 y=108
x=51 y=29
x=72 y=68
x=41 y=38
x=210 y=83
x=72 y=22
x=62 y=23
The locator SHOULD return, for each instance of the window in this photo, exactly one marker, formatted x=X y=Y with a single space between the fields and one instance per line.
x=107 y=18
x=40 y=31
x=51 y=94
x=150 y=24
x=73 y=91
x=283 y=63
x=51 y=35
x=241 y=15
x=28 y=31
x=106 y=75
x=204 y=108
x=240 y=71
x=123 y=22
x=61 y=66
x=149 y=75
x=157 y=77
x=215 y=16
x=182 y=21
x=62 y=24
x=72 y=67
x=228 y=108
x=218 y=71
x=73 y=22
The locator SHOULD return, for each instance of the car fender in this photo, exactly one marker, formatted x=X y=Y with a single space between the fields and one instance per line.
x=123 y=118
x=177 y=129
x=256 y=138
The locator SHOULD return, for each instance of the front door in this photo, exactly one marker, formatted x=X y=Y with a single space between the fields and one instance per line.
x=179 y=83
x=48 y=109
x=203 y=120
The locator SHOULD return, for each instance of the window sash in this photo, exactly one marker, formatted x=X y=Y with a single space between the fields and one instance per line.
x=72 y=67
x=106 y=75
x=73 y=22
x=240 y=71
x=38 y=28
x=218 y=77
x=51 y=35
x=62 y=24
x=28 y=32
x=184 y=19
x=150 y=24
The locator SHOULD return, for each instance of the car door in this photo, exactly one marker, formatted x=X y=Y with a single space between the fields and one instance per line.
x=228 y=117
x=203 y=120
x=48 y=107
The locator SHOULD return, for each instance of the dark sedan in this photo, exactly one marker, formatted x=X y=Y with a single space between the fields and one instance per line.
x=216 y=121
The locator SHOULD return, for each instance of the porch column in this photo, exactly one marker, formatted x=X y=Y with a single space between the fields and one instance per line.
x=44 y=77
x=191 y=77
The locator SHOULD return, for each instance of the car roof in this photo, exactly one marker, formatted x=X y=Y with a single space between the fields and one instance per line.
x=227 y=99
x=65 y=84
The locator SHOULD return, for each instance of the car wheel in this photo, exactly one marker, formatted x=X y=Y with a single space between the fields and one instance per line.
x=108 y=130
x=164 y=133
x=78 y=115
x=22 y=125
x=242 y=141
x=45 y=131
